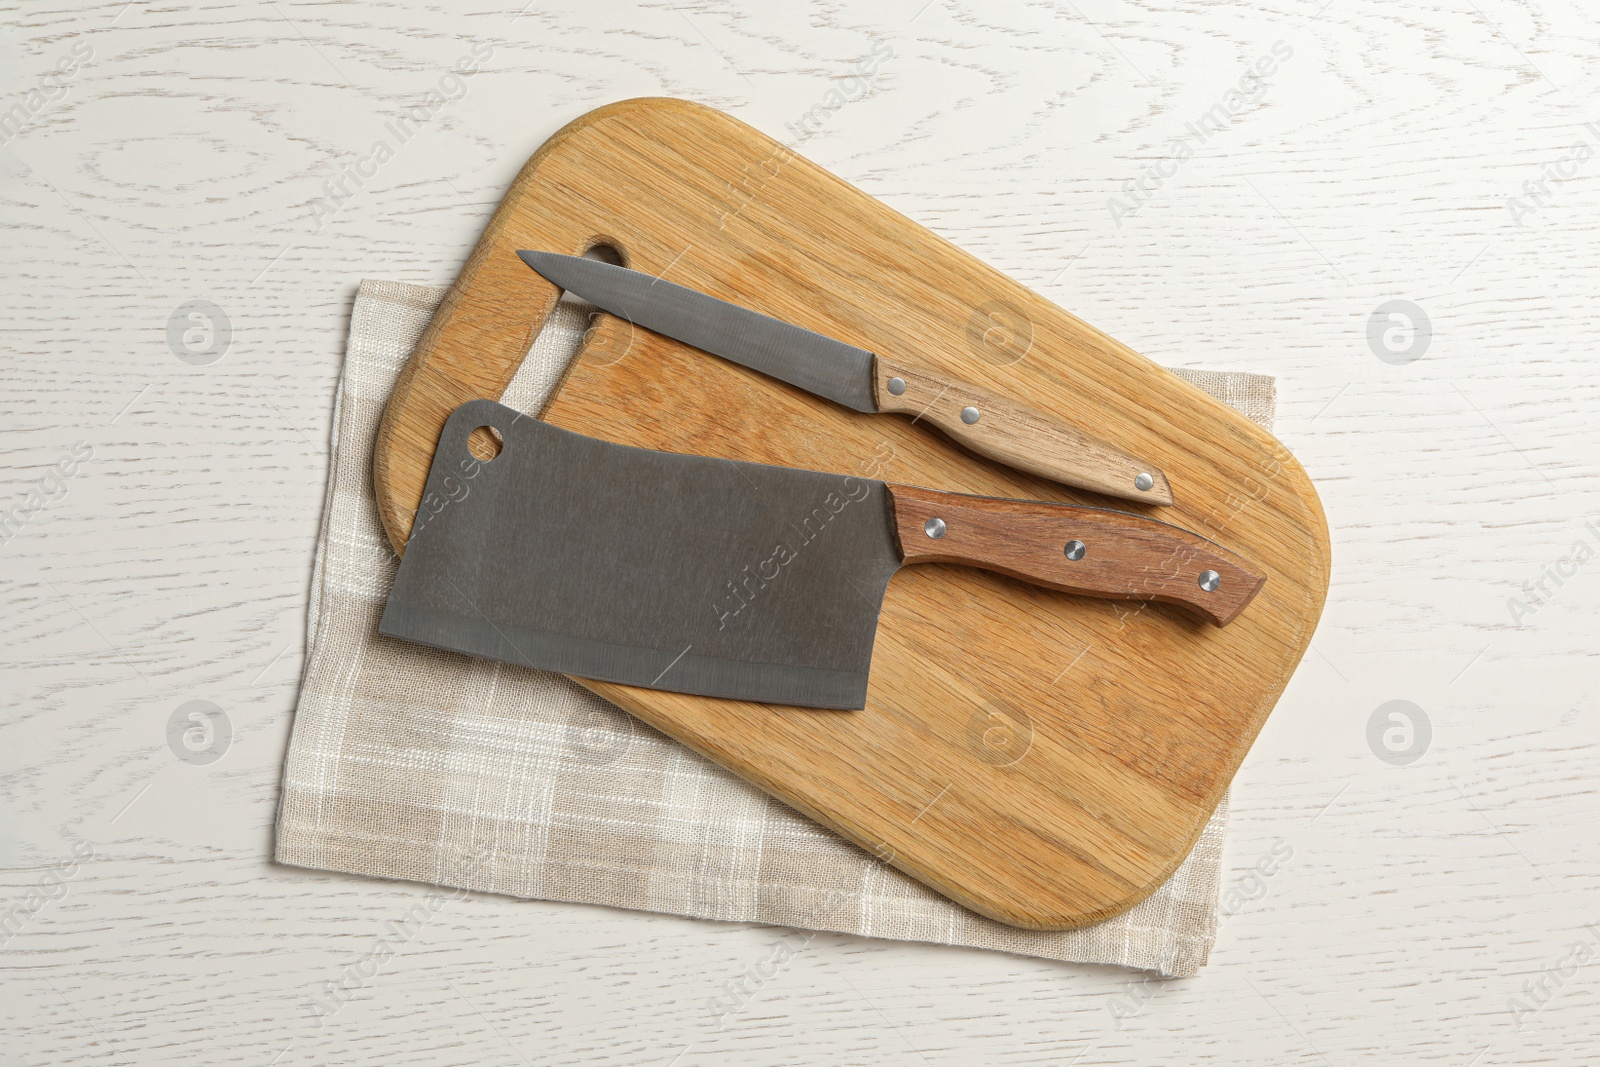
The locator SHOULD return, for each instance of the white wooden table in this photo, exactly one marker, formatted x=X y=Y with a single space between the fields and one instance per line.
x=156 y=154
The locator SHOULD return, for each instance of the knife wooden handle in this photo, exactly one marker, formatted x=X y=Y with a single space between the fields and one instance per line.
x=1015 y=434
x=1090 y=551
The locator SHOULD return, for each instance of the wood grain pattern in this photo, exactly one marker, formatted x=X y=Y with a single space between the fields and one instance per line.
x=1095 y=818
x=1418 y=900
x=1015 y=434
x=1087 y=551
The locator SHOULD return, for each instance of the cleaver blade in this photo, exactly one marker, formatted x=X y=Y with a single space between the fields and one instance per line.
x=729 y=579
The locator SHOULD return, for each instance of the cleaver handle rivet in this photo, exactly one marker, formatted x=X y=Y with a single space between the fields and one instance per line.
x=1074 y=549
x=970 y=415
x=1143 y=482
x=1210 y=581
x=934 y=527
x=897 y=386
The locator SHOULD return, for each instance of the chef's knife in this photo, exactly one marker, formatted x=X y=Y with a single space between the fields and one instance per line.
x=731 y=579
x=1002 y=429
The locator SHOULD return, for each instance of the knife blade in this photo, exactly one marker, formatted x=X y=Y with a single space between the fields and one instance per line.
x=731 y=579
x=998 y=427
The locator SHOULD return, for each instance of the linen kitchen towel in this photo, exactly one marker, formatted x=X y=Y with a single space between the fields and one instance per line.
x=407 y=762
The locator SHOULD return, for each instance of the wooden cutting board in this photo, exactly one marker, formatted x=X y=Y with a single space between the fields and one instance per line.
x=1046 y=760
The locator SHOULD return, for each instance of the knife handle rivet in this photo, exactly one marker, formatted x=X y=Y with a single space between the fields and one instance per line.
x=1143 y=482
x=934 y=528
x=969 y=415
x=1074 y=549
x=1210 y=580
x=897 y=386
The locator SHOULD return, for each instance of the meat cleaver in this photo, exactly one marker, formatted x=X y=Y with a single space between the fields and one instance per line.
x=729 y=579
x=1003 y=429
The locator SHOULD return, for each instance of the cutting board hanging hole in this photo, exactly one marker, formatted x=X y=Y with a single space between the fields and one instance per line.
x=605 y=252
x=601 y=249
x=485 y=443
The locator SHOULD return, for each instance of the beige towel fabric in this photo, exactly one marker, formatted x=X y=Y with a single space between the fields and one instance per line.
x=406 y=762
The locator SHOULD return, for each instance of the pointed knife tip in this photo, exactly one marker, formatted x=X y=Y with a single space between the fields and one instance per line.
x=542 y=263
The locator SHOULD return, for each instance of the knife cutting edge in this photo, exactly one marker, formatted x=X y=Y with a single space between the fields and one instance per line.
x=731 y=579
x=1000 y=428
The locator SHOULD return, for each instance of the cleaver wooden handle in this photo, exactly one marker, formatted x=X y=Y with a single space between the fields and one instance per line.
x=1014 y=434
x=1089 y=551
